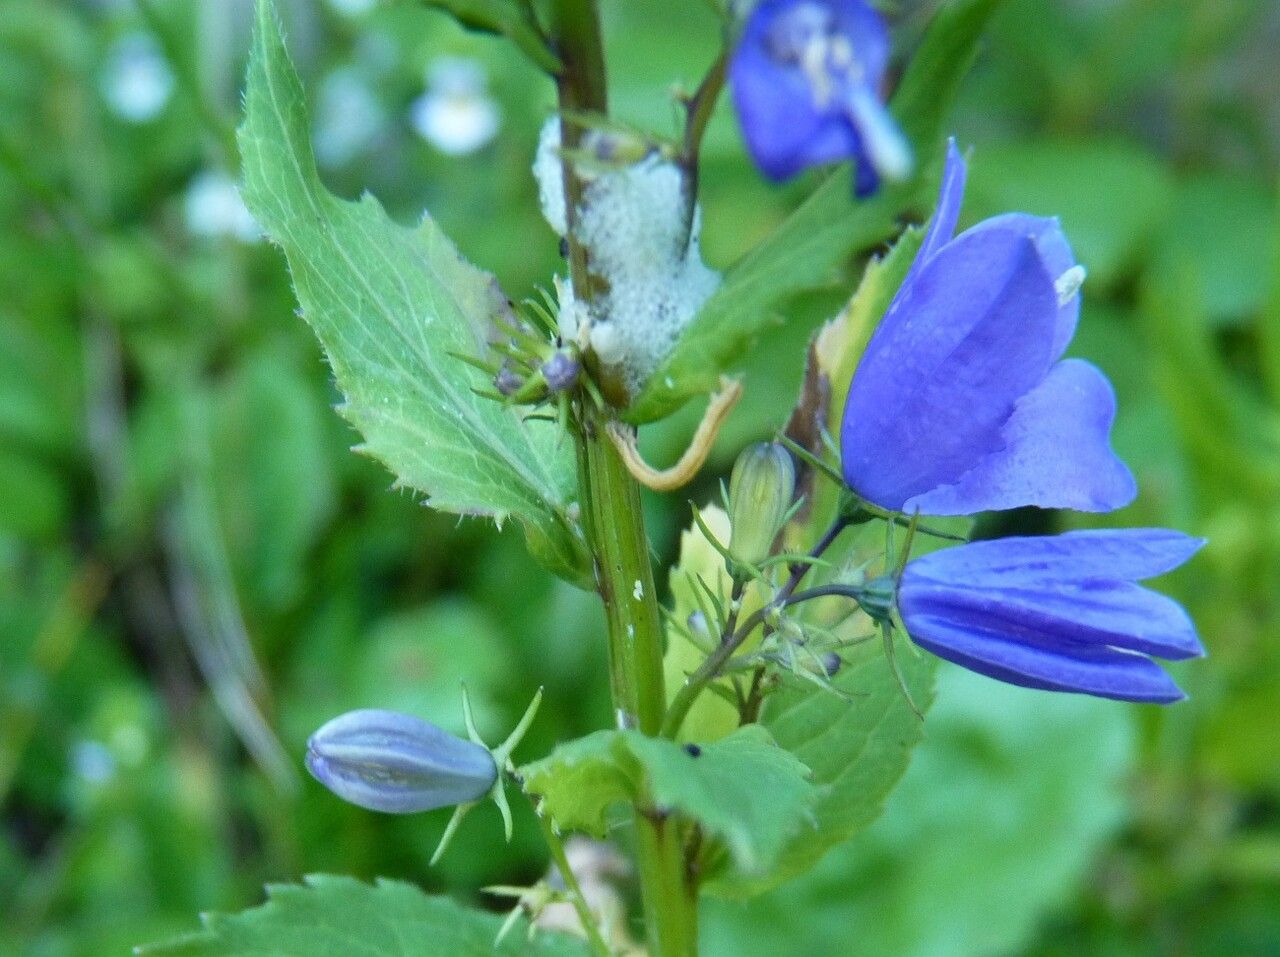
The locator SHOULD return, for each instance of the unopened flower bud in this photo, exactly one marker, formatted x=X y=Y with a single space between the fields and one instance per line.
x=507 y=381
x=616 y=147
x=398 y=764
x=561 y=371
x=760 y=493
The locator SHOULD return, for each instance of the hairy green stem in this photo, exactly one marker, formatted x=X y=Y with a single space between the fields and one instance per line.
x=614 y=524
x=624 y=578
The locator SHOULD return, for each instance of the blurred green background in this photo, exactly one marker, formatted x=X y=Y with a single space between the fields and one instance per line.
x=195 y=571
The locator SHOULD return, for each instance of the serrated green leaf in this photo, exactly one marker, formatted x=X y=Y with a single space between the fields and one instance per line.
x=828 y=227
x=390 y=305
x=743 y=790
x=339 y=916
x=857 y=747
x=999 y=816
x=507 y=18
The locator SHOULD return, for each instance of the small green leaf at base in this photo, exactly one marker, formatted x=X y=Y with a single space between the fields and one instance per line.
x=579 y=782
x=994 y=828
x=331 y=916
x=743 y=790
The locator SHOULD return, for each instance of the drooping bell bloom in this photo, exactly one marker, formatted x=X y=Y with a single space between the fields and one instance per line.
x=398 y=764
x=962 y=402
x=806 y=80
x=1058 y=613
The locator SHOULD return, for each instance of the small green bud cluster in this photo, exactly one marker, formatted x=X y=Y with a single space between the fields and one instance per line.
x=529 y=360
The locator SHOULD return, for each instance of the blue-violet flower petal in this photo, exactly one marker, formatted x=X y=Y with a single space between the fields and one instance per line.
x=806 y=80
x=961 y=402
x=1059 y=613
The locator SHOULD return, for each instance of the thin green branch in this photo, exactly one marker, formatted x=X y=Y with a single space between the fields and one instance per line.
x=590 y=926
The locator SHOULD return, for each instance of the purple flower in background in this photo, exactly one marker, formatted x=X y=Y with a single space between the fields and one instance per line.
x=962 y=402
x=806 y=81
x=398 y=764
x=1060 y=613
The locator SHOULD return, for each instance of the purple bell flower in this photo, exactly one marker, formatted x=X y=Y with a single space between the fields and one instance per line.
x=1058 y=613
x=806 y=79
x=962 y=402
x=398 y=764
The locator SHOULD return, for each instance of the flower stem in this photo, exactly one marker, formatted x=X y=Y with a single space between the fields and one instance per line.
x=614 y=524
x=615 y=529
x=624 y=578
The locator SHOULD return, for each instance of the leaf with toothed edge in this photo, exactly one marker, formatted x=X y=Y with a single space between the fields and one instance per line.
x=857 y=746
x=748 y=795
x=391 y=306
x=331 y=916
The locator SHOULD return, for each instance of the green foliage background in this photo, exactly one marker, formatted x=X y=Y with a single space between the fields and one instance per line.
x=195 y=572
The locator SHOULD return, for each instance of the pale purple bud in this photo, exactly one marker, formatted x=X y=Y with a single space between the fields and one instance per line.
x=561 y=371
x=508 y=381
x=831 y=663
x=398 y=764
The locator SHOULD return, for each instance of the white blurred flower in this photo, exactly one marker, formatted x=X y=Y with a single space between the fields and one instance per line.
x=213 y=208
x=349 y=117
x=92 y=761
x=137 y=81
x=353 y=8
x=456 y=115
